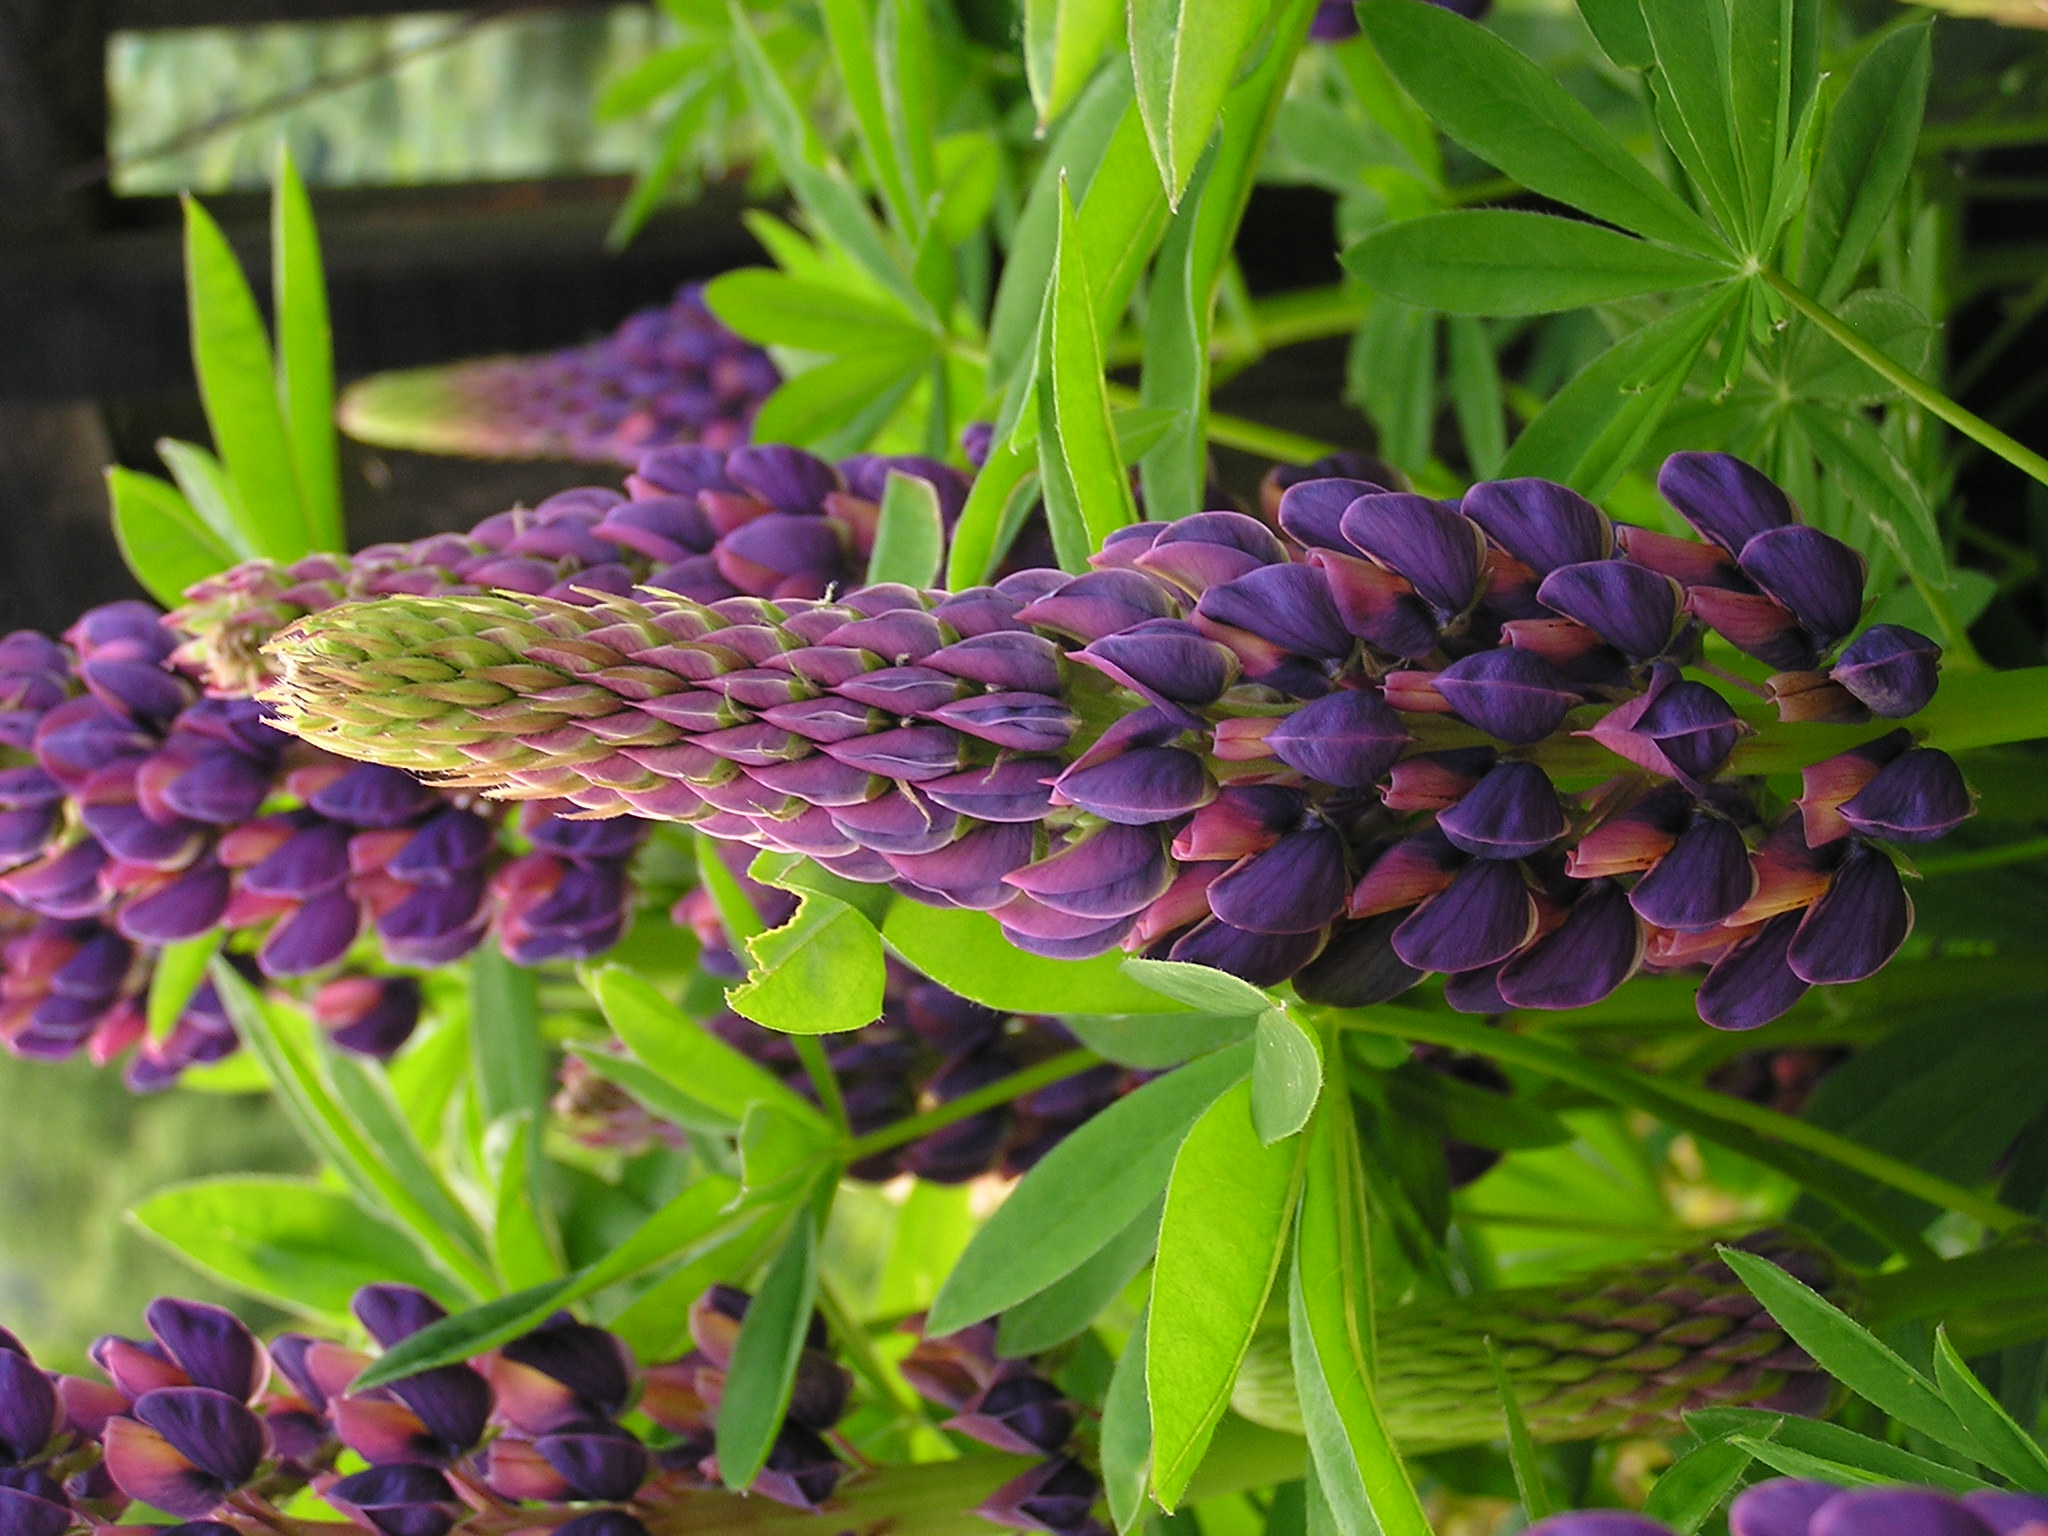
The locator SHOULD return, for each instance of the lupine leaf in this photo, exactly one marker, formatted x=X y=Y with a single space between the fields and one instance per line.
x=1071 y=1303
x=696 y=1220
x=773 y=309
x=286 y=1241
x=1881 y=488
x=651 y=1090
x=180 y=970
x=1184 y=55
x=1692 y=46
x=1004 y=484
x=1849 y=1353
x=840 y=405
x=508 y=1063
x=821 y=973
x=1528 y=1471
x=1513 y=114
x=1996 y=1441
x=1199 y=986
x=967 y=953
x=694 y=1063
x=902 y=44
x=231 y=355
x=1127 y=1434
x=1083 y=1193
x=1866 y=155
x=1152 y=1041
x=1287 y=1076
x=1694 y=1486
x=910 y=540
x=1222 y=1240
x=164 y=541
x=203 y=480
x=305 y=355
x=364 y=1094
x=1063 y=40
x=1764 y=53
x=1176 y=362
x=1617 y=25
x=849 y=28
x=1490 y=261
x=523 y=1248
x=1476 y=395
x=762 y=1374
x=1832 y=1443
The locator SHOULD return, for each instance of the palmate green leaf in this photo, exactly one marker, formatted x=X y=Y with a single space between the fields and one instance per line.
x=508 y=1064
x=821 y=973
x=794 y=872
x=762 y=1375
x=1152 y=1041
x=1773 y=51
x=165 y=543
x=180 y=970
x=910 y=539
x=1287 y=1076
x=839 y=406
x=1871 y=1460
x=524 y=1248
x=1477 y=395
x=697 y=1066
x=204 y=482
x=1199 y=986
x=1083 y=1193
x=1529 y=1481
x=305 y=355
x=1617 y=26
x=1126 y=1440
x=1087 y=490
x=1695 y=1485
x=1184 y=56
x=696 y=1221
x=1363 y=1482
x=1694 y=109
x=1175 y=377
x=967 y=953
x=1592 y=429
x=282 y=1041
x=849 y=28
x=969 y=165
x=1996 y=1440
x=773 y=309
x=231 y=355
x=1511 y=113
x=290 y=1242
x=902 y=44
x=1866 y=154
x=1067 y=1306
x=1848 y=1352
x=1222 y=1240
x=1818 y=368
x=1489 y=261
x=1881 y=489
x=1063 y=40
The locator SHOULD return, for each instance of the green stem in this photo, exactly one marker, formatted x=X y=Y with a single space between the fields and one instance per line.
x=1985 y=858
x=1915 y=388
x=818 y=1067
x=864 y=1358
x=1699 y=1109
x=1015 y=1086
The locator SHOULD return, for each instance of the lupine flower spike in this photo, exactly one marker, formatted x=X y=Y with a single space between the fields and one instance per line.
x=1326 y=757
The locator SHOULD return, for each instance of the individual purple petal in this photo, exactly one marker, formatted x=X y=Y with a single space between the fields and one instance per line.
x=1210 y=548
x=1349 y=738
x=1025 y=1415
x=602 y=1522
x=969 y=870
x=1891 y=669
x=1511 y=813
x=1074 y=940
x=215 y=1432
x=1054 y=1497
x=800 y=1471
x=24 y=1514
x=390 y=1313
x=1895 y=1512
x=211 y=1345
x=1242 y=819
x=184 y=909
x=1542 y=524
x=1296 y=886
x=1853 y=931
x=1138 y=787
x=371 y=796
x=1016 y=722
x=1008 y=660
x=1477 y=991
x=1015 y=789
x=1511 y=694
x=452 y=1402
x=1780 y=1507
x=312 y=938
x=1752 y=984
x=2007 y=1513
x=895 y=690
x=1756 y=625
x=1100 y=603
x=1702 y=881
x=141 y=689
x=1110 y=872
x=910 y=753
x=1287 y=605
x=1358 y=967
x=589 y=1362
x=402 y=1499
x=1378 y=606
x=370 y=1015
x=1166 y=660
x=1817 y=578
x=1693 y=726
x=447 y=842
x=1436 y=549
x=1595 y=949
x=901 y=821
x=28 y=1408
x=788 y=479
x=1484 y=915
x=221 y=788
x=1312 y=511
x=598 y=1461
x=1631 y=607
x=1723 y=498
x=1915 y=798
x=1263 y=959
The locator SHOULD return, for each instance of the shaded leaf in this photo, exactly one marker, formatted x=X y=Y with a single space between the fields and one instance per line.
x=910 y=540
x=1071 y=1303
x=1184 y=55
x=1866 y=154
x=305 y=355
x=1287 y=1076
x=762 y=1374
x=967 y=953
x=821 y=973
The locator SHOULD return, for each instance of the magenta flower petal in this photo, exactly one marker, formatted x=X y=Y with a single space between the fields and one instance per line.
x=1595 y=949
x=1752 y=984
x=1513 y=695
x=1349 y=738
x=1484 y=915
x=1853 y=931
x=1723 y=498
x=1510 y=814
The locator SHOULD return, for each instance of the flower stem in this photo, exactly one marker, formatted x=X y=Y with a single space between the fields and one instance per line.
x=1985 y=858
x=1915 y=388
x=1015 y=1086
x=818 y=1068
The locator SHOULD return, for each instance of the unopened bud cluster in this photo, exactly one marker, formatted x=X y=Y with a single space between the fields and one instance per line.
x=1316 y=754
x=670 y=373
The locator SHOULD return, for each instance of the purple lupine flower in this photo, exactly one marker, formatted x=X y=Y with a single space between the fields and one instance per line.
x=185 y=1449
x=1890 y=669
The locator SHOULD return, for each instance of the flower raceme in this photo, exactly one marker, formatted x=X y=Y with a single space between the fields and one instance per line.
x=1788 y=1506
x=1323 y=754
